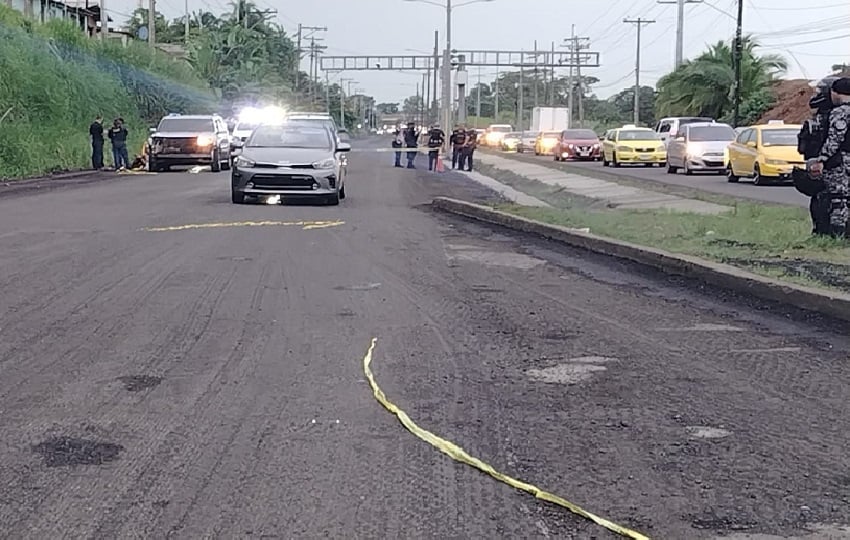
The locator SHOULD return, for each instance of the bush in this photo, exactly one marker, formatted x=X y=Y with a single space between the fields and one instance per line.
x=55 y=80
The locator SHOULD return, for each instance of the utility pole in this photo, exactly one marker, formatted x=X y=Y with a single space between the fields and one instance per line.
x=551 y=96
x=328 y=92
x=536 y=102
x=104 y=19
x=496 y=97
x=478 y=99
x=739 y=50
x=639 y=22
x=299 y=55
x=342 y=101
x=432 y=107
x=314 y=68
x=680 y=26
x=186 y=29
x=151 y=22
x=426 y=103
x=520 y=104
x=571 y=83
x=576 y=45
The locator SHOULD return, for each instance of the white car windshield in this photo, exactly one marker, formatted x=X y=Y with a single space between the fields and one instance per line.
x=638 y=135
x=190 y=125
x=711 y=133
x=290 y=137
x=779 y=137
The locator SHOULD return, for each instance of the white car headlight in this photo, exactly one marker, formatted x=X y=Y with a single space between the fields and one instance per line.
x=776 y=162
x=205 y=140
x=324 y=164
x=244 y=162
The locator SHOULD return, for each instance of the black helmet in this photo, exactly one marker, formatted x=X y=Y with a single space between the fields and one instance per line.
x=822 y=96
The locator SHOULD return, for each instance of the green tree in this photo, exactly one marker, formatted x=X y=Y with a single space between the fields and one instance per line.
x=704 y=86
x=624 y=103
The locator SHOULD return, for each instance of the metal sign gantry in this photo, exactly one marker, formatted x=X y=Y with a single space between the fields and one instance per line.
x=470 y=58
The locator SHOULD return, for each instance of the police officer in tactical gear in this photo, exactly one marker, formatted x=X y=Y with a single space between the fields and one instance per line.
x=457 y=140
x=809 y=143
x=833 y=164
x=436 y=138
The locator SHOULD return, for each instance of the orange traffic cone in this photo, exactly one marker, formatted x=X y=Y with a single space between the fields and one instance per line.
x=440 y=166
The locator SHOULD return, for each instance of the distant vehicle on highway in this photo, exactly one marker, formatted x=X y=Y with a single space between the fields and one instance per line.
x=700 y=147
x=545 y=143
x=527 y=141
x=767 y=153
x=632 y=144
x=672 y=127
x=290 y=160
x=189 y=140
x=495 y=133
x=510 y=141
x=580 y=144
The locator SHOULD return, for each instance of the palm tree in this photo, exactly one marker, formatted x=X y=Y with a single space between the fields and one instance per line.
x=703 y=86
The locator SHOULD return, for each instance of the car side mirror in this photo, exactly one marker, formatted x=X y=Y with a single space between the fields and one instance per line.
x=342 y=130
x=751 y=144
x=680 y=139
x=236 y=143
x=152 y=130
x=343 y=147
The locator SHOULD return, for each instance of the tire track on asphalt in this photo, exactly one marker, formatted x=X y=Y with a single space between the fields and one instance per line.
x=107 y=412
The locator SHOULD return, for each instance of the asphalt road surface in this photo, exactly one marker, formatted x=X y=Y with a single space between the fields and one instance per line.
x=207 y=382
x=712 y=183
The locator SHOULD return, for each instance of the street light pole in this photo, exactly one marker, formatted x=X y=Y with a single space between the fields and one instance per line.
x=447 y=72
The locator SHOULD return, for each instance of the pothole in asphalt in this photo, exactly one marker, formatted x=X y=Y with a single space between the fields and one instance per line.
x=492 y=258
x=707 y=432
x=574 y=371
x=70 y=451
x=366 y=287
x=137 y=383
x=704 y=327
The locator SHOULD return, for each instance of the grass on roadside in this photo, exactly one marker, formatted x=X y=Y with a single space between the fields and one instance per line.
x=767 y=239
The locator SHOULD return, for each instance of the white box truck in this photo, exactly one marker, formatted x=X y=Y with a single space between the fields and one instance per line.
x=550 y=119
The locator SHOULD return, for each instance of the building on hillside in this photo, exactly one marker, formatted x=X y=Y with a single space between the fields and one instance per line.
x=46 y=10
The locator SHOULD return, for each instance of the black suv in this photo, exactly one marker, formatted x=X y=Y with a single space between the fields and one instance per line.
x=189 y=140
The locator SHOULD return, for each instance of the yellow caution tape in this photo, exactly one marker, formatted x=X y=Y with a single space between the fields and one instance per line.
x=459 y=454
x=306 y=225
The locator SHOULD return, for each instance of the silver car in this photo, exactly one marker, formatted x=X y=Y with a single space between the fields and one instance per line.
x=527 y=141
x=700 y=147
x=290 y=161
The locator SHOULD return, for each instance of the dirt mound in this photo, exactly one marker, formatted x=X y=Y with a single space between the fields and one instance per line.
x=792 y=102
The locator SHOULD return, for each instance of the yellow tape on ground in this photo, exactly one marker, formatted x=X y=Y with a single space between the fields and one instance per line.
x=306 y=225
x=459 y=454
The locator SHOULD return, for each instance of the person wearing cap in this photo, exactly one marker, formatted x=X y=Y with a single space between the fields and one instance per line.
x=468 y=150
x=457 y=140
x=411 y=140
x=809 y=143
x=436 y=138
x=833 y=164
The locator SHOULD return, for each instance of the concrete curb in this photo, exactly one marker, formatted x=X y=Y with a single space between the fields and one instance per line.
x=833 y=304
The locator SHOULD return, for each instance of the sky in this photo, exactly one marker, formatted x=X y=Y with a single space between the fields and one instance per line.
x=812 y=35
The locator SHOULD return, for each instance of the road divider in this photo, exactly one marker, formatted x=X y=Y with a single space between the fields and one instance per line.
x=459 y=454
x=305 y=225
x=831 y=303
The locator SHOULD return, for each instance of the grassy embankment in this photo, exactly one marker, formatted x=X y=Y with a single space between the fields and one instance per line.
x=768 y=239
x=54 y=80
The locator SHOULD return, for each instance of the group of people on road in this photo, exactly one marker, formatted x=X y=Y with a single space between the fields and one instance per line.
x=824 y=142
x=463 y=144
x=117 y=134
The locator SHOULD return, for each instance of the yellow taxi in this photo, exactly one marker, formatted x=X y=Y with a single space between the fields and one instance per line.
x=632 y=144
x=767 y=153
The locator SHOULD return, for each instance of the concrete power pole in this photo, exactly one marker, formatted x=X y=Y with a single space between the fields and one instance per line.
x=186 y=28
x=299 y=55
x=571 y=90
x=639 y=22
x=104 y=19
x=151 y=22
x=739 y=50
x=576 y=45
x=680 y=26
x=432 y=107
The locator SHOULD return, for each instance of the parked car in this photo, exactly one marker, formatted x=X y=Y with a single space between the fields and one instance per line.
x=631 y=144
x=581 y=144
x=700 y=147
x=189 y=140
x=545 y=143
x=290 y=160
x=669 y=128
x=766 y=153
x=510 y=141
x=527 y=141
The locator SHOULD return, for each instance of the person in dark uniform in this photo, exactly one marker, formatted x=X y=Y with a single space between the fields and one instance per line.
x=411 y=140
x=469 y=146
x=457 y=141
x=809 y=143
x=118 y=137
x=436 y=138
x=96 y=134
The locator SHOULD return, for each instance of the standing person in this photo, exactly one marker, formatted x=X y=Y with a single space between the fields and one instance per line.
x=834 y=160
x=411 y=140
x=436 y=138
x=96 y=134
x=398 y=142
x=118 y=137
x=809 y=143
x=469 y=149
x=457 y=141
